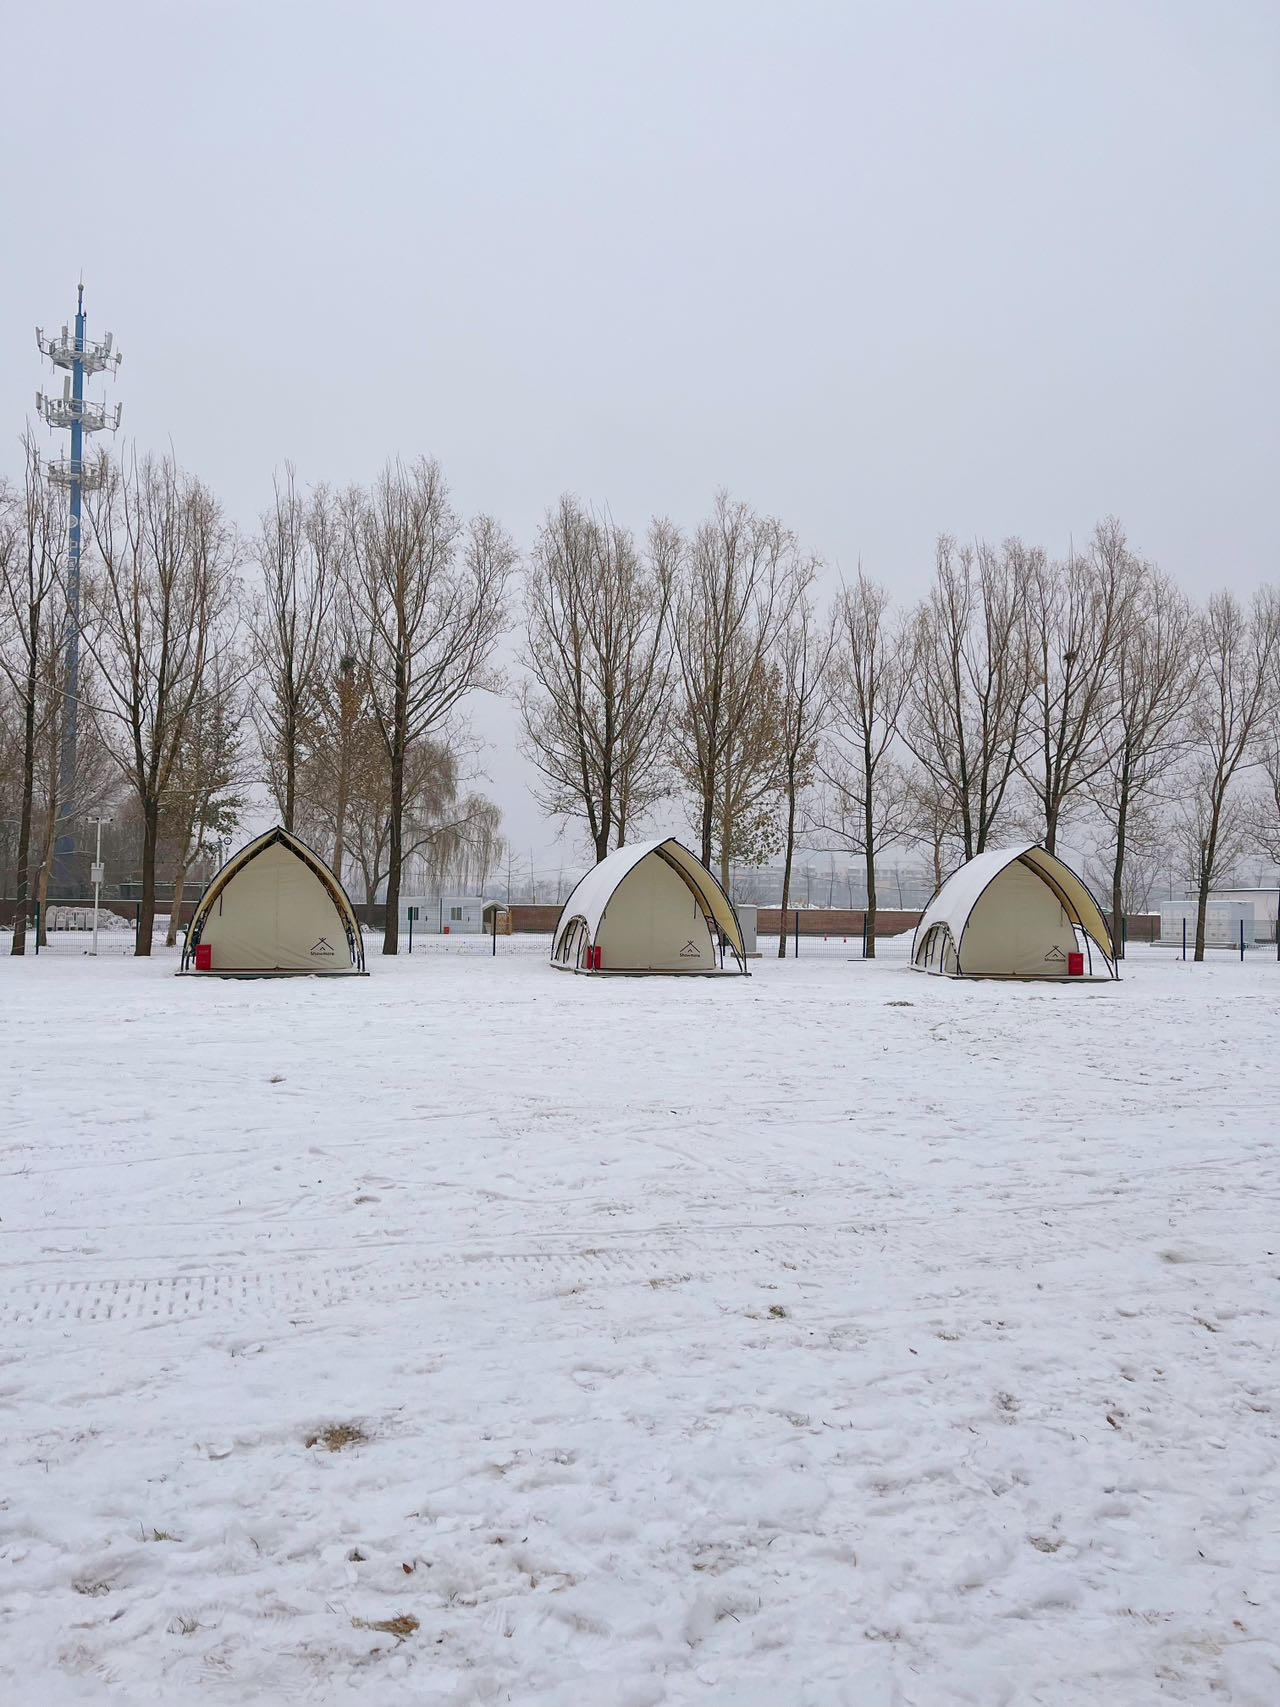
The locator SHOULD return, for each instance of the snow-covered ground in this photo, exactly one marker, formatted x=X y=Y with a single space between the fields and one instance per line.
x=837 y=1336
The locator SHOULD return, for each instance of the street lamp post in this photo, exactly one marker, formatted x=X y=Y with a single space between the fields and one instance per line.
x=97 y=880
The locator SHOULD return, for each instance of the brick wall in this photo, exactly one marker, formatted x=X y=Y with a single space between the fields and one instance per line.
x=539 y=920
x=834 y=921
x=842 y=921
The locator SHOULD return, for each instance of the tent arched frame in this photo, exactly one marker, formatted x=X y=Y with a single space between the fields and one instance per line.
x=1072 y=893
x=278 y=836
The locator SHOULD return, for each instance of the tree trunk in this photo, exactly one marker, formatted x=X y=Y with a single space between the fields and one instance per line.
x=871 y=904
x=786 y=863
x=42 y=896
x=1051 y=828
x=605 y=829
x=147 y=908
x=1208 y=859
x=1117 y=879
x=22 y=885
x=171 y=935
x=869 y=843
x=1202 y=903
x=708 y=820
x=46 y=868
x=340 y=814
x=391 y=928
x=290 y=767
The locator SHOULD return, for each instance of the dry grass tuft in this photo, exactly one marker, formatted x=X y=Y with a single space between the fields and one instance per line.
x=400 y=1627
x=338 y=1435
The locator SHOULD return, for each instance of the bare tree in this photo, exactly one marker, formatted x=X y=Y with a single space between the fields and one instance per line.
x=935 y=820
x=1264 y=806
x=478 y=848
x=431 y=595
x=1235 y=674
x=10 y=763
x=1142 y=723
x=205 y=799
x=969 y=682
x=1149 y=838
x=298 y=551
x=737 y=585
x=750 y=801
x=434 y=823
x=804 y=655
x=32 y=527
x=870 y=805
x=598 y=654
x=1077 y=618
x=157 y=613
x=340 y=737
x=354 y=818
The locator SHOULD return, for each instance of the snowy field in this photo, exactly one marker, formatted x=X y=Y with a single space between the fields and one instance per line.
x=475 y=1333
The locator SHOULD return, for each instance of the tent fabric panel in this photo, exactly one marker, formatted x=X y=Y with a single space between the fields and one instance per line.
x=712 y=895
x=1088 y=914
x=274 y=913
x=655 y=923
x=590 y=895
x=1018 y=928
x=955 y=900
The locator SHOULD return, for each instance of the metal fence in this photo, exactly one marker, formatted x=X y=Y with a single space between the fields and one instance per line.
x=808 y=946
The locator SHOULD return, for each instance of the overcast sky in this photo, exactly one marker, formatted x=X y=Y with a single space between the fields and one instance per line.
x=882 y=269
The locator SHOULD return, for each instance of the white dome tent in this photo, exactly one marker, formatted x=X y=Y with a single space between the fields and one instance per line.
x=649 y=907
x=274 y=910
x=1017 y=913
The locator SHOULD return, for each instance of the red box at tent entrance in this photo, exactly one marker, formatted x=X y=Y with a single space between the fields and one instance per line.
x=1075 y=966
x=204 y=957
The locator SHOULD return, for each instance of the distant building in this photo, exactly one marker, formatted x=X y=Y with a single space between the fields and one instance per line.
x=442 y=915
x=1264 y=903
x=1222 y=921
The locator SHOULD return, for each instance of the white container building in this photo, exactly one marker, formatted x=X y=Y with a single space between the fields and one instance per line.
x=1222 y=921
x=442 y=915
x=1264 y=904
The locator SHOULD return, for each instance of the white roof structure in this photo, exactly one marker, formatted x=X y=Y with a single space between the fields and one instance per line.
x=1017 y=912
x=648 y=907
x=275 y=909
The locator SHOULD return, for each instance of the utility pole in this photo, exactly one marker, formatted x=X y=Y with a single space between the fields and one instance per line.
x=78 y=357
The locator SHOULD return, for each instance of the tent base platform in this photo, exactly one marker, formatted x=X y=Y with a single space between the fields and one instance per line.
x=1018 y=977
x=654 y=971
x=272 y=972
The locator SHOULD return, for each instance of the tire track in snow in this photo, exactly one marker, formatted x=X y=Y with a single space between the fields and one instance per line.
x=289 y=1291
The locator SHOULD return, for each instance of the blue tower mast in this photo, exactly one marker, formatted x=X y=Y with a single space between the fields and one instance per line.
x=78 y=356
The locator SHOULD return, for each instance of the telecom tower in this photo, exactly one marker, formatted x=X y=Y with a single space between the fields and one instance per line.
x=79 y=357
